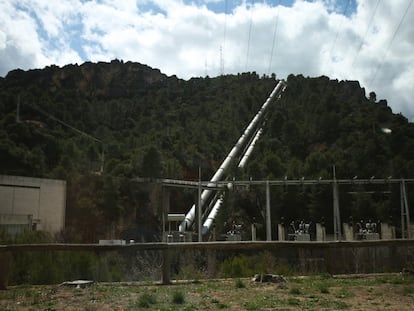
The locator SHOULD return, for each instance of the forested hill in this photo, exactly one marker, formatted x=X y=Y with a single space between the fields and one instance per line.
x=152 y=125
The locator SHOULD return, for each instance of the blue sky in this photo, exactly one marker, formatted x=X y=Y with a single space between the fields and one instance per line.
x=371 y=41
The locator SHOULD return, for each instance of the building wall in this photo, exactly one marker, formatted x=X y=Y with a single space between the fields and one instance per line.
x=43 y=199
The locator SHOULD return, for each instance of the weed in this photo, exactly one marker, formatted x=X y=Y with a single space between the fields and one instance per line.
x=145 y=300
x=392 y=280
x=178 y=298
x=396 y=280
x=212 y=285
x=283 y=269
x=218 y=304
x=236 y=267
x=189 y=272
x=323 y=288
x=252 y=305
x=325 y=276
x=240 y=284
x=334 y=304
x=379 y=280
x=306 y=293
x=295 y=291
x=339 y=305
x=344 y=294
x=13 y=294
x=299 y=280
x=36 y=298
x=408 y=290
x=293 y=301
x=222 y=306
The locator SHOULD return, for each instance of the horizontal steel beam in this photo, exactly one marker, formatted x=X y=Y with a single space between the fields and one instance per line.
x=224 y=245
x=219 y=185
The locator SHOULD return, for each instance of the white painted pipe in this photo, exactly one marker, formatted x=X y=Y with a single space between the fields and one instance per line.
x=249 y=150
x=205 y=194
x=210 y=219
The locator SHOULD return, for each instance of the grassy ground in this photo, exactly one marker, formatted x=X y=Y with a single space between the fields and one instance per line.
x=371 y=292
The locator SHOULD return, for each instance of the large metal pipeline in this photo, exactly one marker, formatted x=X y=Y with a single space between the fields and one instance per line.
x=249 y=150
x=243 y=140
x=211 y=216
x=214 y=211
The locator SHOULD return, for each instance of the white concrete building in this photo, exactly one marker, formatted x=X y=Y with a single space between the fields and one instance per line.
x=34 y=203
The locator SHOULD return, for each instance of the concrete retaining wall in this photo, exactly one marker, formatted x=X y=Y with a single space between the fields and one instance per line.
x=302 y=257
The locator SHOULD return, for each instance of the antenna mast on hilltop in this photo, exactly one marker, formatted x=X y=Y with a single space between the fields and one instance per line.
x=221 y=61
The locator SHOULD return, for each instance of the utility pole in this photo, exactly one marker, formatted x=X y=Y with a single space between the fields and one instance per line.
x=221 y=61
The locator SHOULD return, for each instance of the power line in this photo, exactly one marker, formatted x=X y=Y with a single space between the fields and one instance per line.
x=250 y=31
x=339 y=29
x=366 y=33
x=334 y=43
x=391 y=42
x=224 y=40
x=225 y=22
x=274 y=38
x=37 y=108
x=221 y=61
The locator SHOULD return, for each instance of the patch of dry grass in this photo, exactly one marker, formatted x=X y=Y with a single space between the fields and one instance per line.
x=393 y=292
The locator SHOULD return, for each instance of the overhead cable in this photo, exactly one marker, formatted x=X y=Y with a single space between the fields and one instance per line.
x=37 y=108
x=224 y=40
x=274 y=38
x=366 y=33
x=390 y=44
x=339 y=29
x=250 y=31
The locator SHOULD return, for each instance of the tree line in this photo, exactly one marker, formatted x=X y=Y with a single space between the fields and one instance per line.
x=142 y=123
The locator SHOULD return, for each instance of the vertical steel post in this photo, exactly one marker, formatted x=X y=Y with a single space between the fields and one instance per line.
x=402 y=211
x=165 y=209
x=253 y=227
x=268 y=220
x=407 y=211
x=163 y=216
x=200 y=237
x=336 y=213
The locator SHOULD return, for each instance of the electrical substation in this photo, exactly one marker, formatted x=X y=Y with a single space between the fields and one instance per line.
x=198 y=223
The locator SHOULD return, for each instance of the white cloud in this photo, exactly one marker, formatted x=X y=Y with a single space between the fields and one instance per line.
x=20 y=43
x=312 y=38
x=3 y=40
